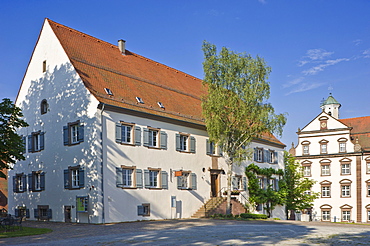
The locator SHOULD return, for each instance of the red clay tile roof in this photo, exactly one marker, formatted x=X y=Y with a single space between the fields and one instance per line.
x=360 y=129
x=101 y=65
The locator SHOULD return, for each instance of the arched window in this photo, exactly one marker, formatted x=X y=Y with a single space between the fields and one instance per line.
x=44 y=106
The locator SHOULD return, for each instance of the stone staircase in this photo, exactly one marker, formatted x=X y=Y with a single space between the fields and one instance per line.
x=208 y=208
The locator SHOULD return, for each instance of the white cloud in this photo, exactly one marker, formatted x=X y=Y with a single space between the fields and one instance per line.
x=357 y=41
x=319 y=68
x=293 y=82
x=262 y=1
x=318 y=54
x=305 y=87
x=366 y=53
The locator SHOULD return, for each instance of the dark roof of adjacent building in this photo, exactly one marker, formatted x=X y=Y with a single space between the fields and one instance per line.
x=102 y=65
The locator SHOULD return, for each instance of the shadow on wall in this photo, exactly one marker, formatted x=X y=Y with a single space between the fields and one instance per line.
x=68 y=101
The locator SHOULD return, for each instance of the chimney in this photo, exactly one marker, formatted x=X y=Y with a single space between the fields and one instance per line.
x=121 y=46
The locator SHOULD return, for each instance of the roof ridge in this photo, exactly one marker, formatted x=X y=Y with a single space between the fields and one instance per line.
x=355 y=118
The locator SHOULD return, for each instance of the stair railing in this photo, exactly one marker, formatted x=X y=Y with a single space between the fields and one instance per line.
x=210 y=204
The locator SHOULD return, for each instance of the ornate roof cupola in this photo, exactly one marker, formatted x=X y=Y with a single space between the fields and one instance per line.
x=331 y=106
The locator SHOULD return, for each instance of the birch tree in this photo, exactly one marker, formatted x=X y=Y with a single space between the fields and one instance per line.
x=235 y=106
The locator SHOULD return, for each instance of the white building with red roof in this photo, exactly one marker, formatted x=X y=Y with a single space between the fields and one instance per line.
x=336 y=154
x=114 y=136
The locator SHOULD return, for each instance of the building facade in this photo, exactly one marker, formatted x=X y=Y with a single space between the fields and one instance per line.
x=336 y=154
x=114 y=136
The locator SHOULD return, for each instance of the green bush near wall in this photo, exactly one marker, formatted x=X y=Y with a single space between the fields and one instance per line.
x=253 y=216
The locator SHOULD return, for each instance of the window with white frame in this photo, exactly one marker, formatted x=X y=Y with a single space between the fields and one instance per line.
x=73 y=133
x=19 y=183
x=74 y=178
x=346 y=190
x=342 y=147
x=345 y=168
x=325 y=170
x=325 y=215
x=129 y=177
x=368 y=167
x=155 y=138
x=128 y=133
x=307 y=171
x=325 y=191
x=368 y=189
x=305 y=147
x=236 y=182
x=368 y=215
x=323 y=147
x=155 y=178
x=258 y=154
x=36 y=142
x=185 y=143
x=186 y=180
x=143 y=209
x=36 y=181
x=346 y=215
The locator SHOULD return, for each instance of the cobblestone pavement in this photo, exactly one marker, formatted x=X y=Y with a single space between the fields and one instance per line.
x=197 y=232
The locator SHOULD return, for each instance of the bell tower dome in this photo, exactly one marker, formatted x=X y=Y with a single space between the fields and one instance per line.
x=331 y=106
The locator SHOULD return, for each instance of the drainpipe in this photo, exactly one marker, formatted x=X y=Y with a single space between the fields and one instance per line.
x=102 y=163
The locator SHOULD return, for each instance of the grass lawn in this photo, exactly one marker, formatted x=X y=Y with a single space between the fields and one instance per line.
x=27 y=231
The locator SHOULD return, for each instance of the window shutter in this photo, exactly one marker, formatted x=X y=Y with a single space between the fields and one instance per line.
x=119 y=178
x=50 y=215
x=266 y=156
x=30 y=145
x=36 y=213
x=81 y=133
x=163 y=140
x=24 y=180
x=146 y=179
x=42 y=181
x=179 y=186
x=118 y=132
x=146 y=137
x=14 y=184
x=30 y=183
x=178 y=142
x=276 y=184
x=164 y=180
x=65 y=135
x=137 y=136
x=265 y=183
x=245 y=183
x=208 y=147
x=24 y=140
x=81 y=177
x=192 y=144
x=255 y=154
x=140 y=210
x=234 y=183
x=27 y=213
x=193 y=181
x=66 y=179
x=139 y=178
x=219 y=150
x=16 y=213
x=276 y=161
x=42 y=140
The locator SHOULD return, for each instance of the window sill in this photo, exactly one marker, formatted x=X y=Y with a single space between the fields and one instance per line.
x=155 y=188
x=128 y=187
x=185 y=151
x=128 y=144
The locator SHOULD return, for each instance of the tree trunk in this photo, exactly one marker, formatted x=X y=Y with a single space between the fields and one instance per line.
x=228 y=198
x=291 y=215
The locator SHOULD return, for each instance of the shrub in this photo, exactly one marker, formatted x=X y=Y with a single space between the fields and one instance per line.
x=253 y=216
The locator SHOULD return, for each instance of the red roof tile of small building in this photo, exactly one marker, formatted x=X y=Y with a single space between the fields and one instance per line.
x=360 y=130
x=101 y=65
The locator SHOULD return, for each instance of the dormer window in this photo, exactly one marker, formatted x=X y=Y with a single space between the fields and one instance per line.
x=108 y=91
x=44 y=106
x=160 y=105
x=139 y=100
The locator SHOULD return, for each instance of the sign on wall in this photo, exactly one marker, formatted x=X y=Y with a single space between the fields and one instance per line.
x=82 y=204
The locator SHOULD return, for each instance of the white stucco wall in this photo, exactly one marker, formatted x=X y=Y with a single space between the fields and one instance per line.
x=69 y=101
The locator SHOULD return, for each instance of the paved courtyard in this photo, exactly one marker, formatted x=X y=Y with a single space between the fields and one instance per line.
x=197 y=232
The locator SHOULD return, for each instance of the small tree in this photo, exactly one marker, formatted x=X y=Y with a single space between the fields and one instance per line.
x=267 y=193
x=298 y=194
x=11 y=144
x=235 y=107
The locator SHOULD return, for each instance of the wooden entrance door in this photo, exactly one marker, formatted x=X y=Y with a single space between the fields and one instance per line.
x=67 y=214
x=215 y=184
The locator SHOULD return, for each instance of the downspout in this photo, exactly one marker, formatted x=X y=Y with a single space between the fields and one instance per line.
x=102 y=162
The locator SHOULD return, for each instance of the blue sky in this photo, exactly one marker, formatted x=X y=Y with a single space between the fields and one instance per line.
x=314 y=47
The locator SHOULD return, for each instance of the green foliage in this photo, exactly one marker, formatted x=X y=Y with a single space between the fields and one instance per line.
x=266 y=195
x=26 y=231
x=11 y=145
x=295 y=185
x=253 y=216
x=235 y=107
